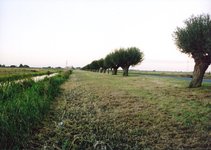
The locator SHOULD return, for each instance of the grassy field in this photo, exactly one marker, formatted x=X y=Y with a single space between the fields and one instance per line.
x=207 y=75
x=10 y=74
x=23 y=106
x=99 y=111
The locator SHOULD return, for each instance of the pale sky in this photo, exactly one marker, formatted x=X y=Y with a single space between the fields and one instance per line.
x=50 y=32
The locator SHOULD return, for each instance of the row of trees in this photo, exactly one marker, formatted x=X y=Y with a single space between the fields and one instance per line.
x=14 y=66
x=193 y=39
x=122 y=57
x=2 y=65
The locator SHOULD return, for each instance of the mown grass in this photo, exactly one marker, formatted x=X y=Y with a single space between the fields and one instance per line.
x=11 y=74
x=100 y=111
x=22 y=107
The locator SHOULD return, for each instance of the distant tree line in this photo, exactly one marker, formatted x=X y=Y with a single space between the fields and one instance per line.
x=27 y=66
x=2 y=65
x=122 y=57
x=23 y=66
x=14 y=66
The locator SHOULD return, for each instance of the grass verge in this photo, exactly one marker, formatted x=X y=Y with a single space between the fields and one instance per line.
x=22 y=107
x=100 y=111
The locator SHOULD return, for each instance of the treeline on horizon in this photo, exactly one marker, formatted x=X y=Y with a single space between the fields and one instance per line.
x=25 y=66
x=122 y=57
x=14 y=66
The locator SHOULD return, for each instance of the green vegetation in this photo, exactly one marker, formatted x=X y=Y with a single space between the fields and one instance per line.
x=111 y=62
x=97 y=111
x=22 y=107
x=123 y=58
x=147 y=112
x=195 y=40
x=11 y=74
x=207 y=75
x=23 y=66
x=131 y=56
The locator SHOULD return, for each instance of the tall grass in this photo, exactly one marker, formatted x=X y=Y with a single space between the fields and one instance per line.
x=22 y=107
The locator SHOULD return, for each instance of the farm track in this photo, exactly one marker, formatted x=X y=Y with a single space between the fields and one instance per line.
x=94 y=113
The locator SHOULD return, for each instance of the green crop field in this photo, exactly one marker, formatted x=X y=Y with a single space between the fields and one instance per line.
x=10 y=74
x=101 y=111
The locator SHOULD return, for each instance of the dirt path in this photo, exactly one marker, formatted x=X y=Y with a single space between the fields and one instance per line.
x=95 y=115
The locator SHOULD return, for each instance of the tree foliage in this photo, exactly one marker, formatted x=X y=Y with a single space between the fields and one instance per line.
x=195 y=38
x=2 y=65
x=108 y=61
x=95 y=65
x=128 y=57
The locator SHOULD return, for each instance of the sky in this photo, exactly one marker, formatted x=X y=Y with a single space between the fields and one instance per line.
x=55 y=33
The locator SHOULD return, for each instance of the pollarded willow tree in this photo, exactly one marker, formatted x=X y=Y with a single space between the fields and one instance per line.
x=194 y=39
x=112 y=61
x=129 y=57
x=108 y=62
x=115 y=60
x=101 y=65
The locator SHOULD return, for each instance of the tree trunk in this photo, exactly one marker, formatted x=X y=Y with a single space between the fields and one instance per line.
x=108 y=71
x=198 y=73
x=125 y=71
x=114 y=71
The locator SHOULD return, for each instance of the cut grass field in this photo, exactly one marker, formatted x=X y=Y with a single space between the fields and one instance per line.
x=136 y=112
